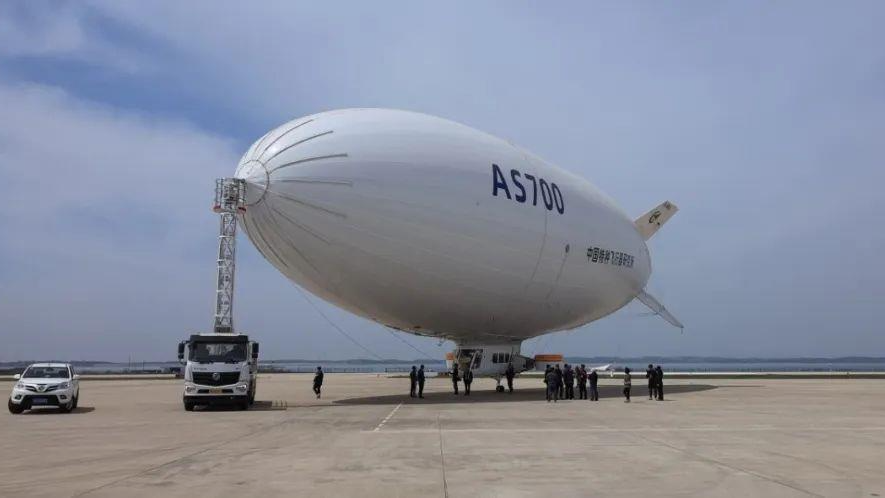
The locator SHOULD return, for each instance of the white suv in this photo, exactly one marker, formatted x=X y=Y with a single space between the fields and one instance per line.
x=45 y=384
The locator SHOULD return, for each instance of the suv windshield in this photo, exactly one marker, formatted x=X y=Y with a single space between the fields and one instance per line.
x=46 y=373
x=205 y=352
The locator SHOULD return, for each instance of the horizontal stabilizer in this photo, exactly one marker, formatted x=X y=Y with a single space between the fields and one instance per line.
x=649 y=223
x=659 y=309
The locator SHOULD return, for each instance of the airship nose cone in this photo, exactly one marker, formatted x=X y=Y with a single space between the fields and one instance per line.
x=257 y=181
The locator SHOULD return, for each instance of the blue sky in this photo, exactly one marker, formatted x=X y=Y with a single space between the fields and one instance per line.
x=764 y=121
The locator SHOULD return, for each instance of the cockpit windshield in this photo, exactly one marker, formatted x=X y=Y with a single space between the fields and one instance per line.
x=228 y=352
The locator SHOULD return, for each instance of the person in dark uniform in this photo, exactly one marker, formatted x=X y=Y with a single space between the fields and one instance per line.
x=468 y=379
x=318 y=382
x=510 y=373
x=582 y=381
x=421 y=381
x=569 y=377
x=560 y=385
x=455 y=377
x=628 y=384
x=413 y=381
x=659 y=378
x=651 y=375
x=594 y=390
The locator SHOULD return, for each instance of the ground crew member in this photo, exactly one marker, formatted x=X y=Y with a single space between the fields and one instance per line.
x=455 y=377
x=552 y=387
x=594 y=390
x=318 y=382
x=421 y=382
x=468 y=379
x=510 y=373
x=582 y=382
x=569 y=377
x=560 y=385
x=651 y=375
x=628 y=383
x=659 y=377
x=413 y=381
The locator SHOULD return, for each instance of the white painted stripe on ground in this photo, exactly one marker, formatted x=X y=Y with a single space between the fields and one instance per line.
x=636 y=429
x=378 y=428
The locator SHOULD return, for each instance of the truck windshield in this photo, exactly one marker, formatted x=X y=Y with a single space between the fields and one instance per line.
x=206 y=352
x=46 y=373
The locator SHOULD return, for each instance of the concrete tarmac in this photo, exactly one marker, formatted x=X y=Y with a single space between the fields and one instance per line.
x=367 y=438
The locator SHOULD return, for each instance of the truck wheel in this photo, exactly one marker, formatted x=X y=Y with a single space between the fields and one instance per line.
x=243 y=405
x=14 y=408
x=251 y=398
x=189 y=406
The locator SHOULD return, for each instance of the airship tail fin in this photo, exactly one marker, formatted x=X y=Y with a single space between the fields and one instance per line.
x=649 y=223
x=659 y=309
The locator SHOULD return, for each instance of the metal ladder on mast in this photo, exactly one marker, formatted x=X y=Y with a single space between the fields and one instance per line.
x=230 y=200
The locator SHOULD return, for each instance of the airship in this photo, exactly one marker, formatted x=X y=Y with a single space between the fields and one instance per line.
x=431 y=227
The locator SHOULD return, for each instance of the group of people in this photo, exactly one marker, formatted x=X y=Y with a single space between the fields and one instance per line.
x=561 y=382
x=655 y=376
x=467 y=378
x=509 y=374
x=416 y=379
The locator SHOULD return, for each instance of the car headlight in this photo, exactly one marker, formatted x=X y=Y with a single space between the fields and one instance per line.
x=20 y=386
x=242 y=387
x=189 y=388
x=64 y=385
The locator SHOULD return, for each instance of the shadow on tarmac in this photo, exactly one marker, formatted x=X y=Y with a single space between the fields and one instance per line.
x=531 y=394
x=56 y=411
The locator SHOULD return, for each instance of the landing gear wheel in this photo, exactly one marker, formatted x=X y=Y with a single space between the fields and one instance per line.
x=500 y=389
x=14 y=408
x=189 y=406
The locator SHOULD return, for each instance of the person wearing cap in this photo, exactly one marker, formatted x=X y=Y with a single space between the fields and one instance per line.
x=468 y=379
x=628 y=383
x=582 y=381
x=560 y=385
x=568 y=375
x=455 y=377
x=413 y=381
x=510 y=373
x=659 y=380
x=552 y=387
x=318 y=382
x=421 y=381
x=651 y=375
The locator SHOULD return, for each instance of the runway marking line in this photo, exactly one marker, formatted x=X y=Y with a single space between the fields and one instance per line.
x=379 y=426
x=630 y=429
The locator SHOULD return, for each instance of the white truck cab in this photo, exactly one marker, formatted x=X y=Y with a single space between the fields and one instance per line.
x=219 y=368
x=45 y=385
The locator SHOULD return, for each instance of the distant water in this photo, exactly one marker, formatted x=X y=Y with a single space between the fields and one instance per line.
x=816 y=365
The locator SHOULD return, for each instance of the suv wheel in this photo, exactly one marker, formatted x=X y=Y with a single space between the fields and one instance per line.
x=67 y=408
x=189 y=406
x=14 y=408
x=76 y=400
